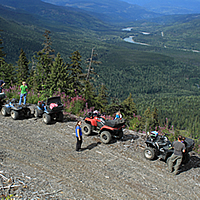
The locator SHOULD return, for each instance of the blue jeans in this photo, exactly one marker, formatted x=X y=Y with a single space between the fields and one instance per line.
x=21 y=96
x=0 y=89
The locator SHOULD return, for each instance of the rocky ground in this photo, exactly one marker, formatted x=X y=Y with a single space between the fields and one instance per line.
x=39 y=161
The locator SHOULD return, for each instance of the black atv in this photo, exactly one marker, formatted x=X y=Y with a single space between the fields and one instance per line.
x=2 y=101
x=15 y=110
x=47 y=111
x=158 y=146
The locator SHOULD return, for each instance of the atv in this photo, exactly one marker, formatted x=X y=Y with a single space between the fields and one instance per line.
x=2 y=101
x=15 y=110
x=158 y=146
x=49 y=110
x=106 y=129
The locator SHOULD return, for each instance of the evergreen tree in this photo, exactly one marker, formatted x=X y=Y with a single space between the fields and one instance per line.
x=32 y=79
x=47 y=45
x=76 y=76
x=89 y=94
x=102 y=99
x=129 y=107
x=154 y=119
x=114 y=106
x=2 y=54
x=146 y=120
x=44 y=61
x=58 y=78
x=7 y=73
x=23 y=68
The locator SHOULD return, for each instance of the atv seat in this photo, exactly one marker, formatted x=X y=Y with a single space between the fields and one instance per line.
x=115 y=123
x=55 y=100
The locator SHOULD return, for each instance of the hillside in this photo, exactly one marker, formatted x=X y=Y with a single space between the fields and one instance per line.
x=49 y=13
x=169 y=7
x=177 y=32
x=42 y=161
x=112 y=11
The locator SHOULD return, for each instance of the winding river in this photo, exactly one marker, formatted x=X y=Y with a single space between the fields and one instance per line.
x=130 y=40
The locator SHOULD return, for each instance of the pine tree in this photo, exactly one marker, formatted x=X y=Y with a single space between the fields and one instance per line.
x=129 y=107
x=44 y=61
x=2 y=54
x=23 y=68
x=102 y=99
x=89 y=94
x=7 y=73
x=114 y=106
x=76 y=76
x=58 y=78
x=146 y=120
x=154 y=119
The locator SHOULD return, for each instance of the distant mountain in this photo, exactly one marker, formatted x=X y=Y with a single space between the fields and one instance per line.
x=169 y=6
x=108 y=10
x=56 y=14
x=24 y=22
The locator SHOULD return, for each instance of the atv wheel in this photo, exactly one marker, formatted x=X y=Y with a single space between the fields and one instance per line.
x=149 y=153
x=3 y=111
x=121 y=134
x=28 y=113
x=46 y=118
x=14 y=114
x=105 y=137
x=86 y=129
x=36 y=113
x=60 y=117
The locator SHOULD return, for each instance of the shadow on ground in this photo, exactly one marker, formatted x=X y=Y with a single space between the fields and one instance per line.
x=91 y=146
x=193 y=163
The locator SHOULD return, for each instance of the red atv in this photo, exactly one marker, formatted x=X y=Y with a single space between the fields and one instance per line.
x=105 y=128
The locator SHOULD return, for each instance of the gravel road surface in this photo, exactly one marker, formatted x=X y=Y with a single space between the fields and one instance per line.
x=44 y=158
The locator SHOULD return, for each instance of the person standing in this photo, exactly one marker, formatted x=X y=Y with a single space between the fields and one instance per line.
x=24 y=90
x=176 y=158
x=78 y=135
x=2 y=83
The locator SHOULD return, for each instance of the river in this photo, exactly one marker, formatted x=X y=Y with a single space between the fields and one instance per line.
x=130 y=40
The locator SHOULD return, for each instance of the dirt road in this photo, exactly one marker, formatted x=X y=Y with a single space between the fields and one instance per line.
x=45 y=155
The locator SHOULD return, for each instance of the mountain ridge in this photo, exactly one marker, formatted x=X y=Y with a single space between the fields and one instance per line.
x=169 y=6
x=58 y=14
x=109 y=11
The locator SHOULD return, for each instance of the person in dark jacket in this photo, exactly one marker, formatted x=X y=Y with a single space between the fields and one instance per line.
x=78 y=135
x=176 y=158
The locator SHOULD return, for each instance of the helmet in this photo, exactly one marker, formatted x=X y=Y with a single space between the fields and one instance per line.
x=154 y=133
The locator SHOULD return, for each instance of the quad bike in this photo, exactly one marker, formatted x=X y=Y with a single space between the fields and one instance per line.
x=49 y=110
x=107 y=129
x=159 y=146
x=15 y=110
x=2 y=101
